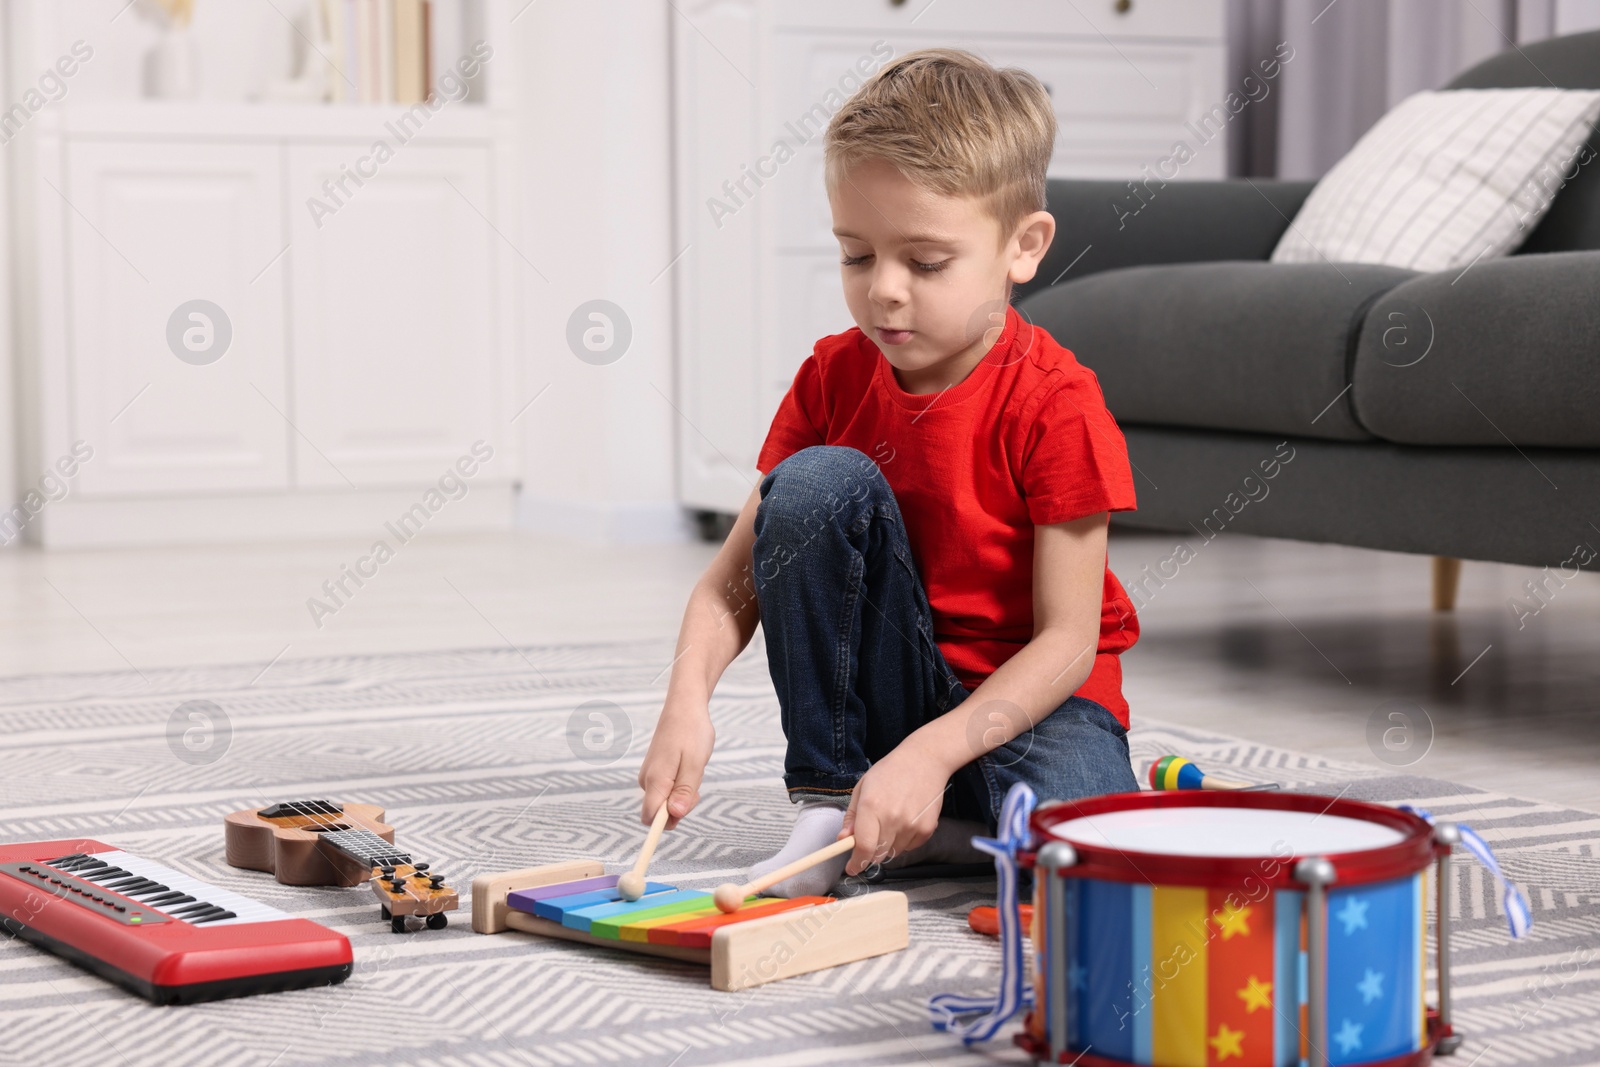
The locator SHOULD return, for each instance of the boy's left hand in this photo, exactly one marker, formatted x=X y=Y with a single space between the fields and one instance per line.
x=895 y=806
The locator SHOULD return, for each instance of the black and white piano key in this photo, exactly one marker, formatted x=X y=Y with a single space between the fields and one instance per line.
x=154 y=895
x=165 y=890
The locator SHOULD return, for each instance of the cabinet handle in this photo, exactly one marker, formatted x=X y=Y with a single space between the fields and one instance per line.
x=1122 y=7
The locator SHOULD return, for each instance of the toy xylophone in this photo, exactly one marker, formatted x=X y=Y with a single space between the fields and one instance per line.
x=769 y=938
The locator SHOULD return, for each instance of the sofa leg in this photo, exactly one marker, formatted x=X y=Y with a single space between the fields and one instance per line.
x=1446 y=577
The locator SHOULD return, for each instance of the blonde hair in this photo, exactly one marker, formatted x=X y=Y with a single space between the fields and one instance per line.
x=954 y=125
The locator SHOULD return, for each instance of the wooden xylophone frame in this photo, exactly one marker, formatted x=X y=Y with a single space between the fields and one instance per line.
x=743 y=954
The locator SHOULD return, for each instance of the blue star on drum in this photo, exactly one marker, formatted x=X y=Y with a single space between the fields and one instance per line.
x=1375 y=970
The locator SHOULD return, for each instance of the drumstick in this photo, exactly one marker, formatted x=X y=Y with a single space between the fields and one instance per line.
x=730 y=897
x=631 y=885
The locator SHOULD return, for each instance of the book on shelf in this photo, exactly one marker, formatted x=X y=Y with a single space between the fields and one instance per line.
x=410 y=51
x=381 y=51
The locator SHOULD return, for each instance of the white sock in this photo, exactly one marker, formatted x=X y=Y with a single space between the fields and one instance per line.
x=951 y=843
x=815 y=826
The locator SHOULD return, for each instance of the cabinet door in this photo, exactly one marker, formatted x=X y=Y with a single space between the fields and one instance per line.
x=151 y=228
x=1122 y=110
x=812 y=307
x=721 y=282
x=395 y=347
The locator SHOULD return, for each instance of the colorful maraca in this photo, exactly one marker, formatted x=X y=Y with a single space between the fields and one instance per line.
x=1175 y=772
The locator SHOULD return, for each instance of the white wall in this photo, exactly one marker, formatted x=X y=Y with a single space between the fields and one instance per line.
x=592 y=114
x=1576 y=16
x=8 y=408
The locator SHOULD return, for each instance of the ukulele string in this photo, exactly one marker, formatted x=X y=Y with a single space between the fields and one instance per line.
x=331 y=825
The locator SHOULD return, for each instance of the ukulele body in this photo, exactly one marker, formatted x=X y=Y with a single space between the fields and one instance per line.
x=288 y=846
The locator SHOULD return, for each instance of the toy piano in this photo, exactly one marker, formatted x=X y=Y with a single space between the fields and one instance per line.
x=168 y=937
x=767 y=939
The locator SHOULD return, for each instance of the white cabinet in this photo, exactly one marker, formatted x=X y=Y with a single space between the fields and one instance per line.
x=151 y=227
x=759 y=283
x=368 y=343
x=394 y=315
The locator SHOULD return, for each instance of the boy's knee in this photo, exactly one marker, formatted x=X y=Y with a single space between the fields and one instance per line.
x=814 y=484
x=822 y=464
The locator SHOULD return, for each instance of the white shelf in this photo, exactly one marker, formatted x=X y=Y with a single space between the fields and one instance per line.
x=135 y=119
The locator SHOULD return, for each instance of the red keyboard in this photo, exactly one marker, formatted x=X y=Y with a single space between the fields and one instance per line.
x=168 y=937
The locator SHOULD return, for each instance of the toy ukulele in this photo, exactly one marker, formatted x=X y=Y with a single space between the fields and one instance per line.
x=316 y=842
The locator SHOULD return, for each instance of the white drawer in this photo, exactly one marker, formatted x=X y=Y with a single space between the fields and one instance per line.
x=1118 y=108
x=1139 y=82
x=1167 y=19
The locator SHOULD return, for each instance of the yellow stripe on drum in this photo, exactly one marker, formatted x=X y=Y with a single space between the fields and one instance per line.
x=1178 y=939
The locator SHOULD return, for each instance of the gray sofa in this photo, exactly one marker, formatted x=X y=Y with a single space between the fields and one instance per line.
x=1454 y=414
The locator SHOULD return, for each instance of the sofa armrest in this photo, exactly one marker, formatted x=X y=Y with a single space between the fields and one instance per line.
x=1146 y=223
x=1500 y=354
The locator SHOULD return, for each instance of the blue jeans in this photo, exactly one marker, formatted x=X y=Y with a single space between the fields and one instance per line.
x=851 y=648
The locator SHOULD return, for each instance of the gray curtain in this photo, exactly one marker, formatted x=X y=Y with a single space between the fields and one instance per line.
x=1355 y=59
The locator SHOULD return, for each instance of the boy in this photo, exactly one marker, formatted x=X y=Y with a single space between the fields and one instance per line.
x=927 y=545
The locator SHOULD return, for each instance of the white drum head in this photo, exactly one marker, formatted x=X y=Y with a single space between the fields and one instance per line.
x=1226 y=832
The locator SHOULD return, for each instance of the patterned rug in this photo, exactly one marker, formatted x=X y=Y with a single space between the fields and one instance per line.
x=493 y=760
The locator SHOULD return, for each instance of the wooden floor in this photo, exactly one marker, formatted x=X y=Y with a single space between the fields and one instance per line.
x=1297 y=645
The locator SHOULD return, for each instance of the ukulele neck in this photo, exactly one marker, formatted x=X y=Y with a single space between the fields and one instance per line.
x=364 y=846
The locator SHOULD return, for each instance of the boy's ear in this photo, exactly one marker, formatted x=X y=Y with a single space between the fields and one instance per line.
x=1031 y=240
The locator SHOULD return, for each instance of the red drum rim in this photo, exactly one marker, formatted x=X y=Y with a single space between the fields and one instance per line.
x=1413 y=852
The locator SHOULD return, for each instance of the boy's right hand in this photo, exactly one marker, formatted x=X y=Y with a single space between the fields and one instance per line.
x=676 y=762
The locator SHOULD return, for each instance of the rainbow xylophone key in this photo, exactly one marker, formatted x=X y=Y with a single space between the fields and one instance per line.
x=664 y=915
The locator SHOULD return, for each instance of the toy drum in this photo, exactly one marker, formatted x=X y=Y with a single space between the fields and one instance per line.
x=1232 y=929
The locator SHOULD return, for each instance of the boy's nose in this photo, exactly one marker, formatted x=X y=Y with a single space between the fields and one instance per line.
x=888 y=288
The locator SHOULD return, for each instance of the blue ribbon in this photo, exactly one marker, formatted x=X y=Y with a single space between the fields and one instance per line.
x=1518 y=915
x=948 y=1010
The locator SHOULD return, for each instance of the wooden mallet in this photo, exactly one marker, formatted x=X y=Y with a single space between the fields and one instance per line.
x=631 y=885
x=729 y=897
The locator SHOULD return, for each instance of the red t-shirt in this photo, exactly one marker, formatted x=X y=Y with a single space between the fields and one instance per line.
x=1024 y=440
